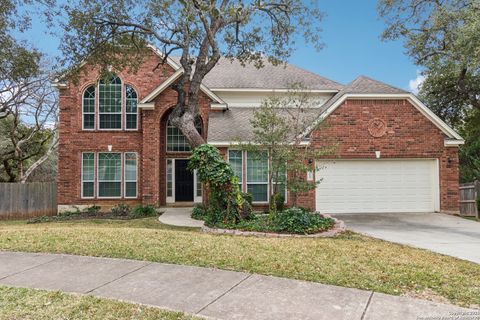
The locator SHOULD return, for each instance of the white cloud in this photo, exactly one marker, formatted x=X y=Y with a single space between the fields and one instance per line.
x=415 y=84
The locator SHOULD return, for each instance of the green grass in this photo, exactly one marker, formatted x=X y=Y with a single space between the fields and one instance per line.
x=350 y=260
x=19 y=303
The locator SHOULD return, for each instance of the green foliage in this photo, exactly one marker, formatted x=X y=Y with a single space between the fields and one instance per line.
x=141 y=211
x=121 y=210
x=67 y=215
x=93 y=210
x=199 y=213
x=225 y=200
x=293 y=220
x=248 y=197
x=298 y=220
x=278 y=201
x=470 y=152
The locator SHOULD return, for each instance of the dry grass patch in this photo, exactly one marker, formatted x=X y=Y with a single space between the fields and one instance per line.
x=350 y=260
x=19 y=303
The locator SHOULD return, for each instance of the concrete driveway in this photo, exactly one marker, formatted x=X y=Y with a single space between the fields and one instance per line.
x=437 y=232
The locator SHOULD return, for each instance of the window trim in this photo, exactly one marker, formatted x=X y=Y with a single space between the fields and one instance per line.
x=170 y=199
x=245 y=182
x=125 y=108
x=125 y=175
x=94 y=108
x=82 y=196
x=122 y=107
x=98 y=177
x=258 y=183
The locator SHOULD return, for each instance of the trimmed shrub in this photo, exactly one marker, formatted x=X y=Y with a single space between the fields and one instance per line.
x=298 y=220
x=141 y=211
x=199 y=213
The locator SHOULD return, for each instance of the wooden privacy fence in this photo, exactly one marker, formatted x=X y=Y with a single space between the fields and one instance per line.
x=27 y=200
x=469 y=193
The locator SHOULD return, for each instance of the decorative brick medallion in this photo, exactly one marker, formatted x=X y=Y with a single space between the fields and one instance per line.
x=377 y=127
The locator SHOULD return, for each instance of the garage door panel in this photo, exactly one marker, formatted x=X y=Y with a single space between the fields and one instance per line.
x=377 y=186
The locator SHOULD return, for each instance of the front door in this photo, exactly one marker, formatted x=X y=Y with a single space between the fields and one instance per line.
x=183 y=181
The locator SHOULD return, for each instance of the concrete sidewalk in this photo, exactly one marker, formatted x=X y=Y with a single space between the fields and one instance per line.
x=207 y=292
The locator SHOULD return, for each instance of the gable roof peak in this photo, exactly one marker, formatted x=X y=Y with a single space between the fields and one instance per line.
x=364 y=84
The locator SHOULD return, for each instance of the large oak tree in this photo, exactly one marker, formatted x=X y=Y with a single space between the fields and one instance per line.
x=115 y=33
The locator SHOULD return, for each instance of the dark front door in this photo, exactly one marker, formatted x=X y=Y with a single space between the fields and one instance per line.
x=183 y=181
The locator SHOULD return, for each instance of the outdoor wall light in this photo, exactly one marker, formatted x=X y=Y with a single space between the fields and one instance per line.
x=109 y=148
x=377 y=154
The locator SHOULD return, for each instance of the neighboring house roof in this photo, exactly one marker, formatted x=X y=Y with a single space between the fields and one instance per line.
x=234 y=125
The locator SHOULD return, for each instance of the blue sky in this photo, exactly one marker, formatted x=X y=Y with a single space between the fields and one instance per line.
x=353 y=47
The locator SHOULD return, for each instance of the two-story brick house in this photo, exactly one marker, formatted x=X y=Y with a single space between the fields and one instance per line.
x=116 y=145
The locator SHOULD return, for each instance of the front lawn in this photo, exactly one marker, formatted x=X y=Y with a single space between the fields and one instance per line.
x=20 y=303
x=350 y=260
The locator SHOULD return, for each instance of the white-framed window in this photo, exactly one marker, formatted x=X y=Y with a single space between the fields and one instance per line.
x=198 y=188
x=88 y=175
x=235 y=158
x=110 y=103
x=130 y=175
x=170 y=179
x=88 y=109
x=131 y=111
x=109 y=173
x=257 y=175
x=176 y=141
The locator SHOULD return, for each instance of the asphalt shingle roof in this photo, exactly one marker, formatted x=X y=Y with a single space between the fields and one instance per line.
x=231 y=74
x=233 y=125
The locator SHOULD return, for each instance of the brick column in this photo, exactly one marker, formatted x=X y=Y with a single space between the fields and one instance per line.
x=150 y=157
x=449 y=181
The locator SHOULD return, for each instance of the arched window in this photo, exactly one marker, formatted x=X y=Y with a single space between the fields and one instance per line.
x=110 y=103
x=130 y=108
x=89 y=108
x=176 y=141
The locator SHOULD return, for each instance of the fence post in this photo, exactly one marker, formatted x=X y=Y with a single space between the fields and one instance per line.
x=477 y=197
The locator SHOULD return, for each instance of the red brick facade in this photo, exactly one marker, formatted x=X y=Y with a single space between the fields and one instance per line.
x=409 y=135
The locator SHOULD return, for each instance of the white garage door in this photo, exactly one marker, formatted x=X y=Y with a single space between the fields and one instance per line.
x=351 y=186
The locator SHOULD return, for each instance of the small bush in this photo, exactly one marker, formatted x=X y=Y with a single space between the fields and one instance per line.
x=141 y=211
x=298 y=220
x=279 y=202
x=199 y=213
x=92 y=210
x=121 y=210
